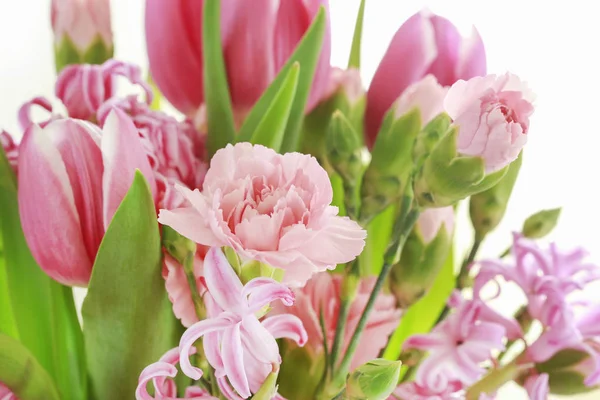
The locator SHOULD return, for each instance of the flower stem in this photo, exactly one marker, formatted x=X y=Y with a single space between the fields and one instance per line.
x=404 y=226
x=188 y=268
x=494 y=380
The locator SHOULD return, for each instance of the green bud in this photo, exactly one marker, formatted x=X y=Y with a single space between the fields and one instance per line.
x=301 y=371
x=255 y=269
x=66 y=53
x=487 y=208
x=391 y=166
x=419 y=265
x=567 y=371
x=268 y=388
x=433 y=132
x=375 y=380
x=541 y=223
x=447 y=177
x=176 y=245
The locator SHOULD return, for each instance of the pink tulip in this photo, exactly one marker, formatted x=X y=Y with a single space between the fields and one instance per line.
x=165 y=388
x=6 y=393
x=287 y=198
x=257 y=37
x=82 y=21
x=322 y=294
x=492 y=114
x=425 y=44
x=240 y=348
x=11 y=149
x=72 y=177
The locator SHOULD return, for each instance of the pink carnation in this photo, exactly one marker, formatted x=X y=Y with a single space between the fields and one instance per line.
x=492 y=113
x=6 y=393
x=178 y=288
x=269 y=207
x=322 y=292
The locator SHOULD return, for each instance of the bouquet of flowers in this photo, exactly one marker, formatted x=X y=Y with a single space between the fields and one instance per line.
x=289 y=237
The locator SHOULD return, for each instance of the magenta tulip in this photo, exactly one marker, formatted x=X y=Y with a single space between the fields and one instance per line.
x=72 y=177
x=257 y=36
x=425 y=44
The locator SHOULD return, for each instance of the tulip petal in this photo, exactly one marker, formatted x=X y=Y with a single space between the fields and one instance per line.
x=222 y=282
x=448 y=42
x=48 y=212
x=472 y=60
x=122 y=153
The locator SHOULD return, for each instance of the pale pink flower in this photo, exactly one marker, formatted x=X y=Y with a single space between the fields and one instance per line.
x=240 y=348
x=433 y=219
x=83 y=88
x=492 y=114
x=322 y=294
x=82 y=21
x=24 y=114
x=427 y=95
x=257 y=37
x=537 y=387
x=6 y=393
x=453 y=390
x=72 y=178
x=165 y=388
x=425 y=44
x=269 y=207
x=347 y=82
x=457 y=347
x=11 y=149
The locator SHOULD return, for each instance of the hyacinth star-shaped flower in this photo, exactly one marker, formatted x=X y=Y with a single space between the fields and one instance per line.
x=269 y=207
x=241 y=348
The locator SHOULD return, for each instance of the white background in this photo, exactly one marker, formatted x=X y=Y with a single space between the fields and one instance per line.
x=554 y=45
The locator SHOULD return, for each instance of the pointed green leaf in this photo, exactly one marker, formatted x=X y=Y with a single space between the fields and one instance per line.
x=22 y=373
x=45 y=317
x=307 y=54
x=271 y=128
x=354 y=61
x=125 y=310
x=219 y=114
x=422 y=315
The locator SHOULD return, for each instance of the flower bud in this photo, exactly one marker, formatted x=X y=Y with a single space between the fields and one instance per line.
x=375 y=380
x=82 y=32
x=178 y=246
x=391 y=167
x=425 y=44
x=541 y=223
x=423 y=255
x=488 y=207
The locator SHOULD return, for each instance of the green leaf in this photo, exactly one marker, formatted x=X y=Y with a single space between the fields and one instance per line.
x=306 y=53
x=45 y=319
x=22 y=373
x=271 y=128
x=219 y=114
x=125 y=310
x=8 y=324
x=354 y=61
x=379 y=231
x=422 y=315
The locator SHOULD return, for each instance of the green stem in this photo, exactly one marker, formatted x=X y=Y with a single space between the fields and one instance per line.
x=406 y=224
x=339 y=332
x=506 y=252
x=188 y=267
x=494 y=380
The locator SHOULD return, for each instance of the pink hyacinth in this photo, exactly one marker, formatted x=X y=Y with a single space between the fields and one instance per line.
x=457 y=346
x=322 y=293
x=6 y=393
x=165 y=388
x=537 y=387
x=175 y=148
x=427 y=95
x=492 y=114
x=82 y=21
x=11 y=149
x=453 y=390
x=250 y=189
x=425 y=44
x=241 y=348
x=257 y=37
x=84 y=88
x=72 y=178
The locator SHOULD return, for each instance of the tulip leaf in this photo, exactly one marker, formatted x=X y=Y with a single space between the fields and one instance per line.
x=125 y=311
x=421 y=316
x=43 y=312
x=307 y=54
x=354 y=61
x=22 y=373
x=271 y=128
x=219 y=113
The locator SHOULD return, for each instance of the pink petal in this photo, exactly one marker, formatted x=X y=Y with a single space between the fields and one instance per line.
x=472 y=60
x=152 y=372
x=24 y=115
x=448 y=41
x=188 y=222
x=222 y=282
x=286 y=326
x=262 y=291
x=259 y=342
x=233 y=360
x=537 y=387
x=122 y=153
x=425 y=342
